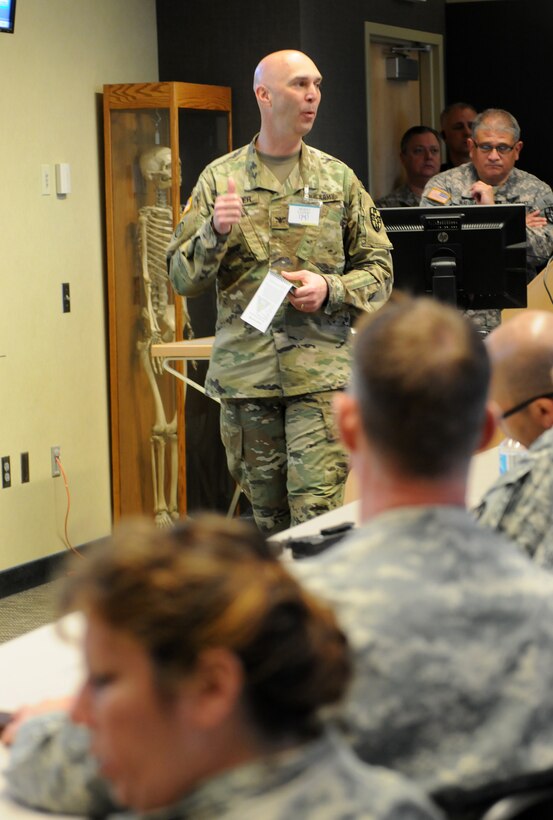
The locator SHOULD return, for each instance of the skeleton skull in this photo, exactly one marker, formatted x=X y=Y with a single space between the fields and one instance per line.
x=156 y=166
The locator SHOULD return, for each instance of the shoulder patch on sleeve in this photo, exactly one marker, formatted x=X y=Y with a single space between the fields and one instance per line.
x=438 y=195
x=376 y=219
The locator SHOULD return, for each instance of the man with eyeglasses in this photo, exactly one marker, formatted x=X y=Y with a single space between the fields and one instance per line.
x=420 y=156
x=520 y=502
x=491 y=178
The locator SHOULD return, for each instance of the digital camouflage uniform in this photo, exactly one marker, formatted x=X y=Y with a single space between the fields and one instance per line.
x=401 y=197
x=322 y=780
x=452 y=632
x=276 y=387
x=520 y=502
x=51 y=768
x=520 y=187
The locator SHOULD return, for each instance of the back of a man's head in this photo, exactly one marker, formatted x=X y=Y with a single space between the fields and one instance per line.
x=521 y=353
x=420 y=376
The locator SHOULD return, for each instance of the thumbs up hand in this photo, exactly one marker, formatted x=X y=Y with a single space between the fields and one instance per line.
x=227 y=210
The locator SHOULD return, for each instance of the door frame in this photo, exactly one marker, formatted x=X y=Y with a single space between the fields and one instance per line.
x=431 y=66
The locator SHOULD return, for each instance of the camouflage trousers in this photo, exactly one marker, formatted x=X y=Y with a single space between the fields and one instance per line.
x=286 y=455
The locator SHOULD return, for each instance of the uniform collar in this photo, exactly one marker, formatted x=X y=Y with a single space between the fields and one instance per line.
x=259 y=176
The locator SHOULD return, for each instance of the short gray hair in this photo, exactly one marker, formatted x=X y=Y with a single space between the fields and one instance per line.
x=498 y=119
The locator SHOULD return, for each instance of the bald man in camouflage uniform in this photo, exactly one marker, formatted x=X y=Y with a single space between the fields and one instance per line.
x=491 y=178
x=276 y=388
x=520 y=502
x=451 y=624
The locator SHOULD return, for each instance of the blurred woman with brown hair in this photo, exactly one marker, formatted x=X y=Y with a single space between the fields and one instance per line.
x=208 y=666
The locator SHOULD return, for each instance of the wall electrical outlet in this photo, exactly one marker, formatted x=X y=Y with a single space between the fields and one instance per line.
x=55 y=452
x=6 y=472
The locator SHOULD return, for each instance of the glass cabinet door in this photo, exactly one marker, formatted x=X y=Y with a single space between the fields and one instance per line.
x=166 y=451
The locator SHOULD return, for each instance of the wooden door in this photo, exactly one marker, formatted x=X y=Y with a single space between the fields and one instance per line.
x=393 y=105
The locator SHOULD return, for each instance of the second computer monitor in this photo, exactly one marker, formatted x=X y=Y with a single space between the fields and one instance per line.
x=473 y=256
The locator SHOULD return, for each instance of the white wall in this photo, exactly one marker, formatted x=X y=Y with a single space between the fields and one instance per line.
x=53 y=366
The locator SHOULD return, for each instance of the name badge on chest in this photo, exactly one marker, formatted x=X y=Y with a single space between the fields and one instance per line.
x=305 y=212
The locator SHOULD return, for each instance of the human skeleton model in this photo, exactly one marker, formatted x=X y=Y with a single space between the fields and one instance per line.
x=155 y=227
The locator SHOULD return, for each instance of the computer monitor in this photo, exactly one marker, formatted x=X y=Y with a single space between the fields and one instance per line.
x=473 y=256
x=7 y=16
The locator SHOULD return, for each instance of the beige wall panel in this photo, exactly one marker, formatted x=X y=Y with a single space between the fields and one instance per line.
x=53 y=366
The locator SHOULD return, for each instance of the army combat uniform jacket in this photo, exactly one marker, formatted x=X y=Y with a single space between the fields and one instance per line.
x=401 y=197
x=452 y=630
x=520 y=502
x=299 y=353
x=520 y=187
x=52 y=768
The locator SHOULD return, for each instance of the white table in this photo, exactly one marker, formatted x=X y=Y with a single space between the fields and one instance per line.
x=34 y=667
x=184 y=351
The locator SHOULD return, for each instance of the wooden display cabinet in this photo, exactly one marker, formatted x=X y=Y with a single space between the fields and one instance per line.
x=194 y=121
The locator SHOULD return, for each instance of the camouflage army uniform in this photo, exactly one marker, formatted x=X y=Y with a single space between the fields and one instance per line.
x=291 y=371
x=452 y=629
x=520 y=502
x=401 y=197
x=520 y=187
x=322 y=780
x=51 y=768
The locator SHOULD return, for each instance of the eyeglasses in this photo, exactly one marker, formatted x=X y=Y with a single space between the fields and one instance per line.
x=486 y=148
x=518 y=407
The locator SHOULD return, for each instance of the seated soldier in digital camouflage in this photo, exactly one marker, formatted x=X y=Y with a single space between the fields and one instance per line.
x=456 y=123
x=419 y=155
x=520 y=502
x=451 y=624
x=491 y=178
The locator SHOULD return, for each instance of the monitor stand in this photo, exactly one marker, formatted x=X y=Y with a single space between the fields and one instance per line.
x=444 y=281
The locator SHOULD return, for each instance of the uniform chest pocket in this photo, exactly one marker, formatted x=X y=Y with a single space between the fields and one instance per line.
x=333 y=211
x=327 y=253
x=291 y=240
x=248 y=241
x=321 y=245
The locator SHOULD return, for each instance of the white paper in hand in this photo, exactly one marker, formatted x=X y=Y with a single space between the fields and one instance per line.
x=266 y=301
